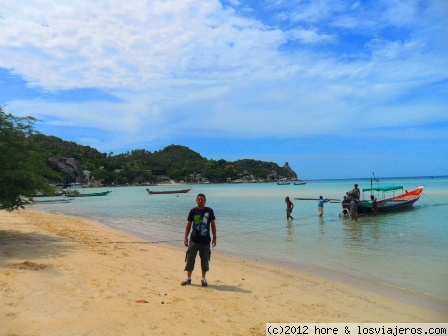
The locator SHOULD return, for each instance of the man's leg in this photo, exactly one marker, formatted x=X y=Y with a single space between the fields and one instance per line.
x=204 y=253
x=190 y=261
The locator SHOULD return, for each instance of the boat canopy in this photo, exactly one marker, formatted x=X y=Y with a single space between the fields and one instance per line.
x=384 y=188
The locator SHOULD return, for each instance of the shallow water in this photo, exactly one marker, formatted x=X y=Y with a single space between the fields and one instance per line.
x=406 y=249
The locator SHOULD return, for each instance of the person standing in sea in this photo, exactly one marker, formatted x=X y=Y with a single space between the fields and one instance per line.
x=200 y=220
x=320 y=205
x=289 y=207
x=374 y=205
x=354 y=209
x=356 y=193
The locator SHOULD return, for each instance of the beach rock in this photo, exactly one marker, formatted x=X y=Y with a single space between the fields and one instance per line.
x=290 y=174
x=69 y=166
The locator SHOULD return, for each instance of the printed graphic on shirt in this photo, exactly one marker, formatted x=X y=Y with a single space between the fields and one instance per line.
x=200 y=224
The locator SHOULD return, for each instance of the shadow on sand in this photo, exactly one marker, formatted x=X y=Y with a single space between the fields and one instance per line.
x=18 y=245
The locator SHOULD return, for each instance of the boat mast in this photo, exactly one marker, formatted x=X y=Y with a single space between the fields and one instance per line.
x=373 y=178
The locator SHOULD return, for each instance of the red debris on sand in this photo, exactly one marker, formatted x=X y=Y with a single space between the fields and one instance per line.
x=141 y=301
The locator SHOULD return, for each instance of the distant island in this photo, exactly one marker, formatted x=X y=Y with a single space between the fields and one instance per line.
x=78 y=164
x=34 y=164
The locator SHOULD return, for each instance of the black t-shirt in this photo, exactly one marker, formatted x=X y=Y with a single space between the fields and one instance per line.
x=201 y=218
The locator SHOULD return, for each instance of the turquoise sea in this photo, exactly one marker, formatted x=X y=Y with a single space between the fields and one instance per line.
x=401 y=253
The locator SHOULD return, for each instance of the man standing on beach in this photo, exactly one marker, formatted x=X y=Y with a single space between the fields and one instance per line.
x=199 y=221
x=320 y=205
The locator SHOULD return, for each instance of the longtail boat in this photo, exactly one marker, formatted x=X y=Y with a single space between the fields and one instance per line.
x=51 y=200
x=404 y=199
x=156 y=192
x=284 y=181
x=103 y=193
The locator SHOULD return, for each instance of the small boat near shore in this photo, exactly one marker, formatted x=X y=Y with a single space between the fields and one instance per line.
x=157 y=192
x=284 y=181
x=404 y=199
x=103 y=193
x=300 y=183
x=52 y=200
x=386 y=197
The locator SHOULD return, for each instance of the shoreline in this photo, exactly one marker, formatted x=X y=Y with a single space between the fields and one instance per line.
x=405 y=295
x=57 y=271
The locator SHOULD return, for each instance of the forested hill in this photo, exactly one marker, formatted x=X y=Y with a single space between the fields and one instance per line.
x=137 y=166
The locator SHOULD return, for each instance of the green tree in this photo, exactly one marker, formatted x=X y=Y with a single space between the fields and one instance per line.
x=133 y=167
x=22 y=164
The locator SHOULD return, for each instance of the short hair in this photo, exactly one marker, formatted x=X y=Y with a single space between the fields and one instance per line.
x=202 y=195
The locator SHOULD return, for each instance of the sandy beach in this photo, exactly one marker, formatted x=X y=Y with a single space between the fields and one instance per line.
x=68 y=276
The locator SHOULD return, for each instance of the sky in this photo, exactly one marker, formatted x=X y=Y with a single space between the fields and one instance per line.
x=338 y=89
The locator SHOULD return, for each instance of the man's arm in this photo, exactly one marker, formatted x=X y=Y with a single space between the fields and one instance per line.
x=213 y=226
x=187 y=232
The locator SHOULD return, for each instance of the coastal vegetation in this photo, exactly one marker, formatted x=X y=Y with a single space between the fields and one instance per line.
x=25 y=168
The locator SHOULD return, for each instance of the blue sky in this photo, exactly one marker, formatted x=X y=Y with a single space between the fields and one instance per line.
x=338 y=89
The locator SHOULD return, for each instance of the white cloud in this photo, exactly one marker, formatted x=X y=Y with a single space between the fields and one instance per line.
x=313 y=11
x=172 y=62
x=129 y=45
x=310 y=36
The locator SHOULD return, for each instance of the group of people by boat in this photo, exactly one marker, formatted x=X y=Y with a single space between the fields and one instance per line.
x=353 y=203
x=350 y=203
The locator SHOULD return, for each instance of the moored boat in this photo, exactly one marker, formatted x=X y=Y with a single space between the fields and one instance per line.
x=284 y=181
x=178 y=191
x=51 y=200
x=404 y=199
x=103 y=193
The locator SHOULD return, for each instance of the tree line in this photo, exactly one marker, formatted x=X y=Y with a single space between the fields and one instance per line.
x=24 y=169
